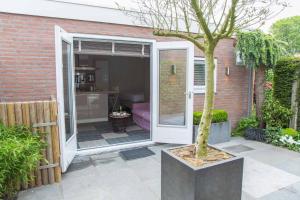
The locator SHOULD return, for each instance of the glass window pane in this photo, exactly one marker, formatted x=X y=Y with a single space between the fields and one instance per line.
x=199 y=73
x=172 y=87
x=67 y=86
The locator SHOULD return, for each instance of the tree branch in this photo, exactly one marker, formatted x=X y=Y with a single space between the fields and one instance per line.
x=201 y=19
x=228 y=22
x=180 y=35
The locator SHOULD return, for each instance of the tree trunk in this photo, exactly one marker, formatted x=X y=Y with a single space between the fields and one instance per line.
x=259 y=93
x=205 y=123
x=294 y=102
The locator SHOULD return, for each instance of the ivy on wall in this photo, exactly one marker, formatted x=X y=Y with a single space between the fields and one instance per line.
x=257 y=48
x=284 y=76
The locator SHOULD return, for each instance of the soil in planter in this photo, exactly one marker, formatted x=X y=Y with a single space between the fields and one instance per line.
x=187 y=153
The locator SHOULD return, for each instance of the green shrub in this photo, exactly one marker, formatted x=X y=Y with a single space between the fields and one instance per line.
x=244 y=123
x=20 y=151
x=218 y=116
x=284 y=76
x=275 y=136
x=290 y=131
x=272 y=135
x=274 y=114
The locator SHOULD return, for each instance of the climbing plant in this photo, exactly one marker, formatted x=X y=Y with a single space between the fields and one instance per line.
x=259 y=49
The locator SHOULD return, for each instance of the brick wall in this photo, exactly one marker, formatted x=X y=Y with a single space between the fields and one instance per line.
x=27 y=60
x=232 y=91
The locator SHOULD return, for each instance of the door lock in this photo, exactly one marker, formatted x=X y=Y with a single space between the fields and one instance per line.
x=189 y=94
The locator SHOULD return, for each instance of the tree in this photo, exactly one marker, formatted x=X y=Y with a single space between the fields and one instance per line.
x=204 y=23
x=287 y=30
x=259 y=51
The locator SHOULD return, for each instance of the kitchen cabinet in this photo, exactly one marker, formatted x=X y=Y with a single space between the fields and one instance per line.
x=91 y=107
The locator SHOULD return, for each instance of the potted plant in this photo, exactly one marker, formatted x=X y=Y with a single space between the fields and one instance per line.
x=220 y=130
x=217 y=177
x=200 y=171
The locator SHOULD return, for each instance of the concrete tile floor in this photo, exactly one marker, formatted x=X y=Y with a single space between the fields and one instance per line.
x=109 y=177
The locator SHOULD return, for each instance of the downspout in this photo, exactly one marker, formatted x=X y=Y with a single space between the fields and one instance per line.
x=250 y=91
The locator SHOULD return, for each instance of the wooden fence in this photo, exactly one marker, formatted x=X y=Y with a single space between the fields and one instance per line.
x=42 y=116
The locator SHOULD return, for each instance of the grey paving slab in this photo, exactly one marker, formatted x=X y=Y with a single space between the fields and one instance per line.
x=238 y=148
x=144 y=171
x=154 y=185
x=131 y=191
x=49 y=192
x=73 y=186
x=292 y=166
x=261 y=179
x=246 y=196
x=272 y=156
x=79 y=165
x=270 y=173
x=257 y=145
x=289 y=193
x=233 y=141
x=80 y=169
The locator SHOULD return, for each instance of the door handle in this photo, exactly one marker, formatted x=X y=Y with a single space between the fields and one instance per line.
x=189 y=94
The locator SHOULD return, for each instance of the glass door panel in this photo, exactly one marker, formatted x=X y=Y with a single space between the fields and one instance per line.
x=172 y=87
x=65 y=96
x=67 y=86
x=172 y=97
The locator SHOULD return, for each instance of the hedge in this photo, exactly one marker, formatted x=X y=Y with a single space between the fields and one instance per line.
x=218 y=116
x=284 y=76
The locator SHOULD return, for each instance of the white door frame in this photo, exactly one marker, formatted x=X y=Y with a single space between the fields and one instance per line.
x=68 y=148
x=153 y=84
x=174 y=133
x=125 y=39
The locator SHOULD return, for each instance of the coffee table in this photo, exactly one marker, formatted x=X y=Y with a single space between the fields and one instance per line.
x=119 y=121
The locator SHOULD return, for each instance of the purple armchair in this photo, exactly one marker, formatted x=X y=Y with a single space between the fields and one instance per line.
x=141 y=115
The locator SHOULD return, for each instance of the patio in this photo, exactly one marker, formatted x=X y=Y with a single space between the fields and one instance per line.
x=270 y=173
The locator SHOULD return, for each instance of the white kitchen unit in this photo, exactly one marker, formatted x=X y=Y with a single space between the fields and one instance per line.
x=92 y=107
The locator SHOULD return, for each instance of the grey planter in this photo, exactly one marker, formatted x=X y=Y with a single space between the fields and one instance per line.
x=218 y=181
x=219 y=132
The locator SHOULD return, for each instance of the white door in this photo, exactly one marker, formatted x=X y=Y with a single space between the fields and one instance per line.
x=172 y=96
x=65 y=96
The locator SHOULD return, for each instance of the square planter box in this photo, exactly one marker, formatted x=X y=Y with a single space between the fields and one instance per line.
x=219 y=132
x=217 y=181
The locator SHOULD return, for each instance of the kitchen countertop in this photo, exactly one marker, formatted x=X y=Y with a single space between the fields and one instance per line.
x=97 y=92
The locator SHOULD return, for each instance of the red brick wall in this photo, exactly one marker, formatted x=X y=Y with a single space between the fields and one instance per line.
x=232 y=90
x=27 y=60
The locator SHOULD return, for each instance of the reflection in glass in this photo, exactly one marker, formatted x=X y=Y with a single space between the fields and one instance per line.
x=67 y=84
x=172 y=87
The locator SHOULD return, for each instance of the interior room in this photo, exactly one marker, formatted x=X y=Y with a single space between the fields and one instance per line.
x=112 y=94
